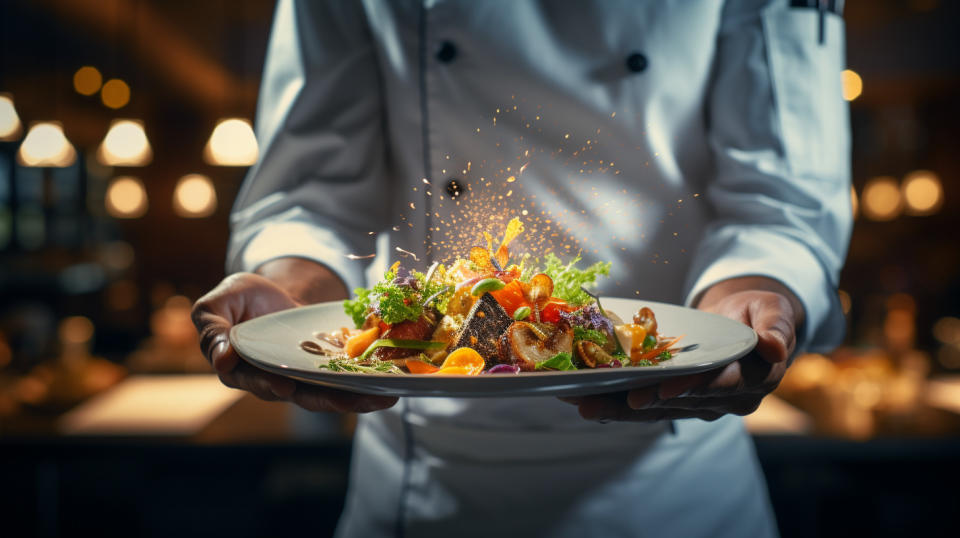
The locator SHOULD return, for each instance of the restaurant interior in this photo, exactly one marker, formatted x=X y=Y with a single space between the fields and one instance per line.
x=125 y=132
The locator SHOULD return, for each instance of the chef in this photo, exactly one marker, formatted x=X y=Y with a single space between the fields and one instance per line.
x=700 y=146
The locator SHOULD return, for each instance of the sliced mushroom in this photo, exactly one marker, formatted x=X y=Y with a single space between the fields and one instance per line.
x=591 y=354
x=522 y=346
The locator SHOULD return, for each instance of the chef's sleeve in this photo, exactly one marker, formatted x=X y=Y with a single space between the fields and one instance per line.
x=779 y=131
x=319 y=188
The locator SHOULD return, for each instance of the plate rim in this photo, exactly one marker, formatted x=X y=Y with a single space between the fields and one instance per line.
x=354 y=382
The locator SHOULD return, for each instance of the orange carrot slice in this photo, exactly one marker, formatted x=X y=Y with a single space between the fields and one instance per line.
x=357 y=344
x=463 y=361
x=417 y=366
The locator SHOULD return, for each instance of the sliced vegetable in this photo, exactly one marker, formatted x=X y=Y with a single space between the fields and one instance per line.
x=510 y=297
x=540 y=289
x=357 y=344
x=417 y=366
x=560 y=361
x=504 y=369
x=652 y=355
x=521 y=313
x=552 y=310
x=486 y=285
x=521 y=344
x=646 y=318
x=404 y=344
x=591 y=354
x=463 y=361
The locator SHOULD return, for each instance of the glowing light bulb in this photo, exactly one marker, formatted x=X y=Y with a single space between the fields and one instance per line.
x=881 y=199
x=87 y=80
x=115 y=93
x=852 y=84
x=232 y=144
x=126 y=198
x=125 y=144
x=9 y=120
x=46 y=145
x=922 y=192
x=194 y=197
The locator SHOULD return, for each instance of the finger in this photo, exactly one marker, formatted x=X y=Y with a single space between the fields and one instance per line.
x=655 y=415
x=742 y=404
x=601 y=406
x=725 y=380
x=223 y=358
x=772 y=319
x=642 y=398
x=251 y=379
x=313 y=398
x=675 y=386
x=611 y=407
x=237 y=298
x=213 y=329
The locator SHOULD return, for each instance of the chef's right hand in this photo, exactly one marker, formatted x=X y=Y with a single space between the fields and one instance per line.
x=243 y=296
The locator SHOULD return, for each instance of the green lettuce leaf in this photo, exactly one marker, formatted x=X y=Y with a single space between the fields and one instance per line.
x=560 y=361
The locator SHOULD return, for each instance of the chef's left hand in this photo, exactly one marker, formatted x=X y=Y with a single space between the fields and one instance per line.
x=764 y=304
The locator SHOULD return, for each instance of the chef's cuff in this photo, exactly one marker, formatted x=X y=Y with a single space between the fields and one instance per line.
x=751 y=251
x=299 y=240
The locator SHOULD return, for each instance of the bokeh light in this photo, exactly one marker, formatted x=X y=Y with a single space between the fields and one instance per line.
x=9 y=120
x=922 y=192
x=947 y=330
x=87 y=80
x=76 y=330
x=115 y=93
x=232 y=144
x=852 y=84
x=854 y=202
x=881 y=199
x=125 y=144
x=126 y=198
x=46 y=145
x=194 y=197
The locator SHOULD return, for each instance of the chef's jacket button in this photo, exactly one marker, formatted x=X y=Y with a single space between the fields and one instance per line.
x=454 y=187
x=637 y=62
x=447 y=52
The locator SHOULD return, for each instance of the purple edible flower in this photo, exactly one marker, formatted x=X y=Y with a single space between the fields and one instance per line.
x=404 y=278
x=589 y=317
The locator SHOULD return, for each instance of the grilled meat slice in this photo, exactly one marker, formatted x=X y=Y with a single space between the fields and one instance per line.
x=484 y=324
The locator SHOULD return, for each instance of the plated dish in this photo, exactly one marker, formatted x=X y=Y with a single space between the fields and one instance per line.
x=491 y=324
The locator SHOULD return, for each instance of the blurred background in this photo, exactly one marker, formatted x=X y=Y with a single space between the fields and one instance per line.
x=124 y=136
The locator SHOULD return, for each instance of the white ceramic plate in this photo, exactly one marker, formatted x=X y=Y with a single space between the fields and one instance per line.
x=272 y=342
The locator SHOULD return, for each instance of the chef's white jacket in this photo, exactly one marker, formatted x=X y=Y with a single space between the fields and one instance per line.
x=686 y=141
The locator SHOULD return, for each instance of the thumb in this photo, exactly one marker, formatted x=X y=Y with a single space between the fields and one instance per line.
x=776 y=333
x=214 y=340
